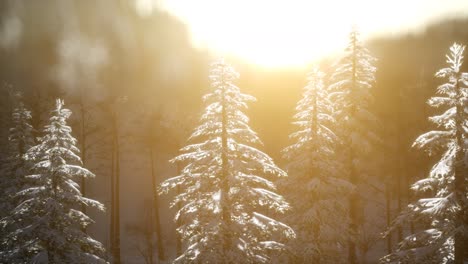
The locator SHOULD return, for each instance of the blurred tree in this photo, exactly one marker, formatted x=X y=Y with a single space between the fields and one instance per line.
x=351 y=94
x=314 y=187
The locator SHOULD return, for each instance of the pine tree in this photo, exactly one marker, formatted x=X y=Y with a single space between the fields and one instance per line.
x=225 y=198
x=351 y=86
x=314 y=186
x=20 y=139
x=15 y=167
x=49 y=222
x=445 y=213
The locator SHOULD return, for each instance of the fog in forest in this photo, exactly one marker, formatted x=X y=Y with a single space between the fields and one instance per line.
x=134 y=79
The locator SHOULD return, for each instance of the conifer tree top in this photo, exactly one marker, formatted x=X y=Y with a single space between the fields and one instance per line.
x=226 y=191
x=47 y=222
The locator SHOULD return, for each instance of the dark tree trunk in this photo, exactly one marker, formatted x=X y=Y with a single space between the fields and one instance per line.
x=157 y=224
x=117 y=259
x=115 y=190
x=112 y=209
x=149 y=235
x=388 y=209
x=398 y=176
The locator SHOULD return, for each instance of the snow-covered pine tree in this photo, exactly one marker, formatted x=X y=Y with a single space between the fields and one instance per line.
x=224 y=195
x=15 y=166
x=445 y=212
x=20 y=139
x=314 y=186
x=48 y=218
x=351 y=96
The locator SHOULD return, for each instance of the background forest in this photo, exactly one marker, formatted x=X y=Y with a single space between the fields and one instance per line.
x=134 y=84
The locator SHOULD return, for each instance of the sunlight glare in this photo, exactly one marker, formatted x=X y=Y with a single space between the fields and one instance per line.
x=278 y=33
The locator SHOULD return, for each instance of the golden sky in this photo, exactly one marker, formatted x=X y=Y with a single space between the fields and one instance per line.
x=279 y=33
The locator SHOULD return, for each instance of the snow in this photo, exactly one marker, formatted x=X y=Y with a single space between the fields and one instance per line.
x=435 y=244
x=218 y=207
x=46 y=220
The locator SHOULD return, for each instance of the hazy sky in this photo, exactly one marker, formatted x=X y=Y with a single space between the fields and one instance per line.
x=293 y=32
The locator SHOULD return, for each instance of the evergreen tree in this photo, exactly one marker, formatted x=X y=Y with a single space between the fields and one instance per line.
x=20 y=139
x=314 y=186
x=15 y=166
x=224 y=195
x=49 y=222
x=446 y=212
x=351 y=95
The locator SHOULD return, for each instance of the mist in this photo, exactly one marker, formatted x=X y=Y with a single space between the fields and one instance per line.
x=104 y=51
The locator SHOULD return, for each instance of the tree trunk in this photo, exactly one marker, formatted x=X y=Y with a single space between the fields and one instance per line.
x=115 y=190
x=400 y=149
x=117 y=259
x=398 y=188
x=388 y=209
x=389 y=163
x=149 y=235
x=157 y=224
x=112 y=209
x=409 y=196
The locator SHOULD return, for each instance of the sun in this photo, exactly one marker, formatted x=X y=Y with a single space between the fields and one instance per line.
x=267 y=33
x=292 y=33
